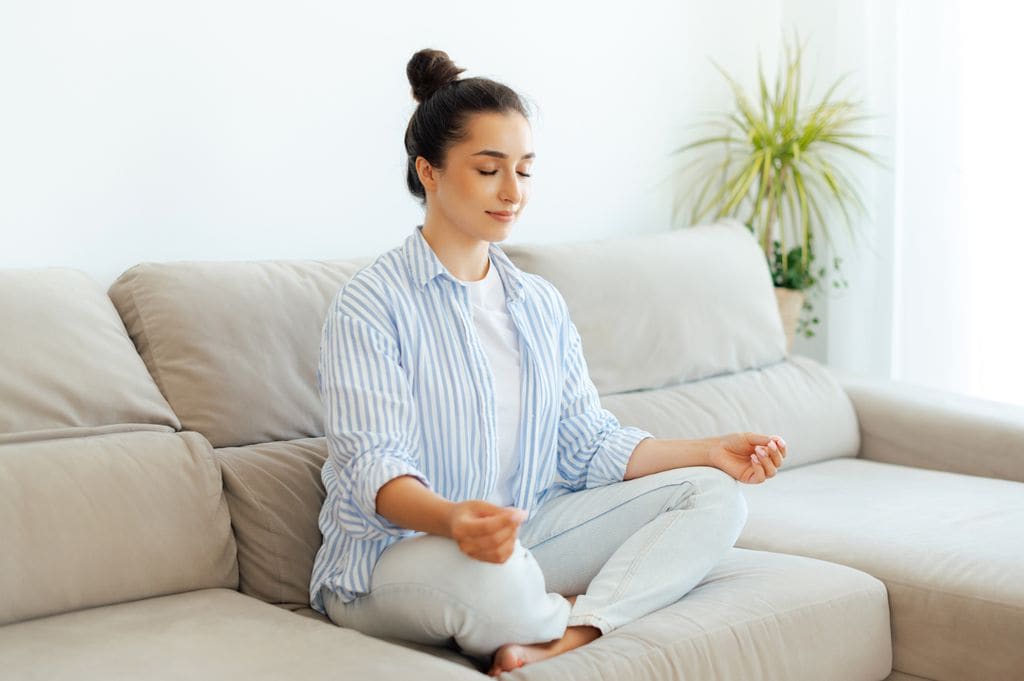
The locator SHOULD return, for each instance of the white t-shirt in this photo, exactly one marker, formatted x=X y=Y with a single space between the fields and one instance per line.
x=500 y=340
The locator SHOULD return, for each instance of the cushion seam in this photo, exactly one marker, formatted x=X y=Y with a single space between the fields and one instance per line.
x=968 y=597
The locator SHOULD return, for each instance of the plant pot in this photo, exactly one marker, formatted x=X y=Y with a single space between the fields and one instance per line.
x=790 y=303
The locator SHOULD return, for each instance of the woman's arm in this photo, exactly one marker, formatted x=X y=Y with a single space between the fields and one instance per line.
x=749 y=457
x=653 y=456
x=481 y=529
x=407 y=502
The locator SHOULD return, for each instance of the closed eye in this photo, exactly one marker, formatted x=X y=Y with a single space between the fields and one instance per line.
x=495 y=171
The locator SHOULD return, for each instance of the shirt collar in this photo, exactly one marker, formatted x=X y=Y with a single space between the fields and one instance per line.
x=425 y=265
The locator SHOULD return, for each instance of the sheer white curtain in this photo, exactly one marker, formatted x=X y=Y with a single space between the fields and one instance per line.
x=991 y=184
x=930 y=287
x=949 y=84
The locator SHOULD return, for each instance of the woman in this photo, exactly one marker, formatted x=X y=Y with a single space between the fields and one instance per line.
x=477 y=492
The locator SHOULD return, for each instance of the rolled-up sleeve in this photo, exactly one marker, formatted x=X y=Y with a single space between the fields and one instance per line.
x=593 y=448
x=369 y=421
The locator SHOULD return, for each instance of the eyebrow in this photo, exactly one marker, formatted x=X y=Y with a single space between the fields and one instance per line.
x=499 y=154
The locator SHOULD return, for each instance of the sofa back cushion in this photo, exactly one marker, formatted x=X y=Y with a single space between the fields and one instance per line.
x=658 y=310
x=96 y=520
x=275 y=493
x=798 y=399
x=234 y=345
x=66 y=362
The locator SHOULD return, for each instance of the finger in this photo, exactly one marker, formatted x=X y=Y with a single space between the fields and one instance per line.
x=758 y=439
x=781 y=444
x=775 y=452
x=766 y=462
x=486 y=525
x=502 y=552
x=497 y=539
x=758 y=475
x=496 y=554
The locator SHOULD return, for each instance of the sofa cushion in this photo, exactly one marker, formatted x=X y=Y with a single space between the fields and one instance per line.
x=917 y=425
x=96 y=520
x=234 y=345
x=796 y=398
x=450 y=652
x=212 y=634
x=756 y=615
x=661 y=309
x=274 y=492
x=66 y=361
x=949 y=548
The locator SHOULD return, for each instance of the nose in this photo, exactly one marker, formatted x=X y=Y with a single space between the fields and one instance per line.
x=511 y=192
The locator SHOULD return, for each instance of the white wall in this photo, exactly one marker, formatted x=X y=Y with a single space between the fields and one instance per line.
x=229 y=130
x=862 y=39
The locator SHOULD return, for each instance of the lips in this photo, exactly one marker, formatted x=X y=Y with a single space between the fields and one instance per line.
x=505 y=213
x=504 y=216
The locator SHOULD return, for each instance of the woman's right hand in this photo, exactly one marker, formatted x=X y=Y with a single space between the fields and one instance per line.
x=485 y=531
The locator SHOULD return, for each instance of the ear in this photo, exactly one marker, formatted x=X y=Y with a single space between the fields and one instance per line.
x=426 y=173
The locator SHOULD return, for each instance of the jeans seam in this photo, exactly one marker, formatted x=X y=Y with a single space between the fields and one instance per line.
x=641 y=554
x=590 y=616
x=609 y=510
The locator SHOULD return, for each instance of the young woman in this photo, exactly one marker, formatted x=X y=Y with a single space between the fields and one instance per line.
x=477 y=492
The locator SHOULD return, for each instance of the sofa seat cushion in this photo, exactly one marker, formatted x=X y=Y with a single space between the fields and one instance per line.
x=750 y=617
x=949 y=548
x=756 y=615
x=758 y=400
x=209 y=634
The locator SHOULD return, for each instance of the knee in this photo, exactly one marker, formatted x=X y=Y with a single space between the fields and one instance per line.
x=508 y=591
x=496 y=590
x=707 y=486
x=507 y=603
x=723 y=490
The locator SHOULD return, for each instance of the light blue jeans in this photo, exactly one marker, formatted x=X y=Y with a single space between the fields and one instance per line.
x=628 y=549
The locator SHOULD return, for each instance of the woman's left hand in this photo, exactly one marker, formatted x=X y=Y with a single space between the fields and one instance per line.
x=748 y=457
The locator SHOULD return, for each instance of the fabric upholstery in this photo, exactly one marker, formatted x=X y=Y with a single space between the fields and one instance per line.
x=756 y=615
x=708 y=303
x=919 y=426
x=450 y=652
x=758 y=400
x=66 y=360
x=275 y=493
x=96 y=520
x=208 y=635
x=948 y=547
x=900 y=676
x=234 y=345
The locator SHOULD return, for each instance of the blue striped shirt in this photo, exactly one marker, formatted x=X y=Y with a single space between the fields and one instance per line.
x=407 y=390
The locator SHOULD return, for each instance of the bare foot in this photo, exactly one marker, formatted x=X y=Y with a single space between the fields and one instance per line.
x=514 y=655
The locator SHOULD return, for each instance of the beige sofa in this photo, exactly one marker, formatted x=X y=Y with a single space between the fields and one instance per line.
x=161 y=442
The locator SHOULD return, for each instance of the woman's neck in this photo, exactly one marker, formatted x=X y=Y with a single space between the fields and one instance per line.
x=464 y=257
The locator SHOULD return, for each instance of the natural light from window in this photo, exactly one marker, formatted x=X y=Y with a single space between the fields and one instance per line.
x=991 y=137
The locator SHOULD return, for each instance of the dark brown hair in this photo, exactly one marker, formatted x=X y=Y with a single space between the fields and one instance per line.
x=445 y=105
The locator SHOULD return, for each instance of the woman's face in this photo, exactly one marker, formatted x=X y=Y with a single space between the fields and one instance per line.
x=486 y=173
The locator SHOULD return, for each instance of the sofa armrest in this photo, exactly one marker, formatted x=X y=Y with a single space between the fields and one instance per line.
x=913 y=425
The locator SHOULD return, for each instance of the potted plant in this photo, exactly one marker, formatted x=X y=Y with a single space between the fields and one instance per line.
x=777 y=168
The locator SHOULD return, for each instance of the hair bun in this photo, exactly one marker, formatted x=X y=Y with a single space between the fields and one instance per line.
x=430 y=70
